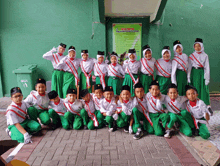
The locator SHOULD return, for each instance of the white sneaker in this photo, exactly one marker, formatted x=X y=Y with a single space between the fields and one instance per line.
x=8 y=132
x=167 y=135
x=110 y=129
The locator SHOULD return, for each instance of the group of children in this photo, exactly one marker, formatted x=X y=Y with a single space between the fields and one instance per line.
x=125 y=95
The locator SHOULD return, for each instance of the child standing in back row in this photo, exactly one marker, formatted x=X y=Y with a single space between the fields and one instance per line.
x=55 y=55
x=164 y=68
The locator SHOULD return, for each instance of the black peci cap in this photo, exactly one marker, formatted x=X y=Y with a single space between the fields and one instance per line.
x=72 y=91
x=63 y=45
x=41 y=81
x=155 y=82
x=166 y=47
x=138 y=85
x=98 y=86
x=84 y=51
x=15 y=90
x=101 y=53
x=146 y=47
x=125 y=87
x=84 y=92
x=199 y=40
x=131 y=51
x=188 y=87
x=114 y=53
x=176 y=42
x=72 y=47
x=52 y=94
x=108 y=89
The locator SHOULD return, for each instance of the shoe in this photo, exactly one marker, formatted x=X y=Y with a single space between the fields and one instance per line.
x=177 y=125
x=85 y=127
x=8 y=132
x=138 y=135
x=167 y=135
x=126 y=129
x=110 y=129
x=197 y=132
x=114 y=126
x=210 y=110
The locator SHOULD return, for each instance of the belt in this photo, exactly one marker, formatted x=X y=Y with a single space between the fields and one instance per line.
x=181 y=69
x=198 y=67
x=114 y=78
x=146 y=74
x=133 y=74
x=69 y=72
x=57 y=69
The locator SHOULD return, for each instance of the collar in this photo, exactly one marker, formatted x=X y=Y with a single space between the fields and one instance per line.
x=108 y=100
x=71 y=59
x=84 y=60
x=41 y=94
x=198 y=52
x=125 y=101
x=60 y=54
x=87 y=102
x=56 y=103
x=148 y=58
x=132 y=61
x=19 y=104
x=173 y=100
x=180 y=53
x=142 y=99
x=166 y=60
x=192 y=103
x=114 y=64
x=70 y=102
x=155 y=97
x=100 y=63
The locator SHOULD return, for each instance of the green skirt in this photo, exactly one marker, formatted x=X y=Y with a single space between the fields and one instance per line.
x=57 y=82
x=181 y=79
x=68 y=82
x=128 y=81
x=83 y=82
x=198 y=81
x=97 y=80
x=115 y=82
x=163 y=82
x=146 y=81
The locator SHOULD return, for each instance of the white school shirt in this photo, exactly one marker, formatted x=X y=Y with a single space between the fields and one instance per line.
x=96 y=101
x=143 y=102
x=152 y=104
x=173 y=106
x=16 y=114
x=103 y=67
x=91 y=108
x=127 y=107
x=199 y=60
x=199 y=110
x=38 y=101
x=117 y=69
x=87 y=65
x=60 y=109
x=134 y=67
x=144 y=68
x=105 y=106
x=164 y=67
x=179 y=62
x=74 y=107
x=55 y=58
x=64 y=64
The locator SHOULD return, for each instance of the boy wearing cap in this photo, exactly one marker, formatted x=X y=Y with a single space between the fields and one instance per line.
x=19 y=126
x=147 y=68
x=86 y=65
x=179 y=68
x=125 y=107
x=196 y=113
x=140 y=112
x=132 y=68
x=164 y=69
x=38 y=102
x=96 y=118
x=101 y=70
x=73 y=106
x=55 y=55
x=108 y=107
x=70 y=65
x=175 y=104
x=116 y=74
x=156 y=114
x=97 y=96
x=199 y=72
x=57 y=111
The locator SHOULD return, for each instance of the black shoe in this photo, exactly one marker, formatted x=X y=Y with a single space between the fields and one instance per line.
x=85 y=127
x=197 y=132
x=138 y=135
x=177 y=125
x=114 y=126
x=126 y=129
x=210 y=110
x=54 y=126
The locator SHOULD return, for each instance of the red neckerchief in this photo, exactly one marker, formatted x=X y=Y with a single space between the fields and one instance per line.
x=173 y=100
x=155 y=97
x=100 y=63
x=71 y=59
x=70 y=102
x=87 y=102
x=180 y=53
x=114 y=64
x=149 y=58
x=19 y=104
x=56 y=103
x=125 y=101
x=132 y=61
x=60 y=54
x=108 y=100
x=42 y=94
x=166 y=60
x=84 y=60
x=199 y=52
x=192 y=103
x=142 y=99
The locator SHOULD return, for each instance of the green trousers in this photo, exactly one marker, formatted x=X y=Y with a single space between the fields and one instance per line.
x=57 y=119
x=116 y=83
x=57 y=82
x=30 y=126
x=123 y=120
x=203 y=130
x=74 y=119
x=97 y=80
x=146 y=81
x=183 y=125
x=163 y=82
x=109 y=120
x=128 y=81
x=181 y=79
x=198 y=81
x=158 y=127
x=138 y=116
x=89 y=122
x=35 y=113
x=68 y=82
x=83 y=84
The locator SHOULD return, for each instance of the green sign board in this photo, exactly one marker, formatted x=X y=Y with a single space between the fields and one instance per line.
x=127 y=36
